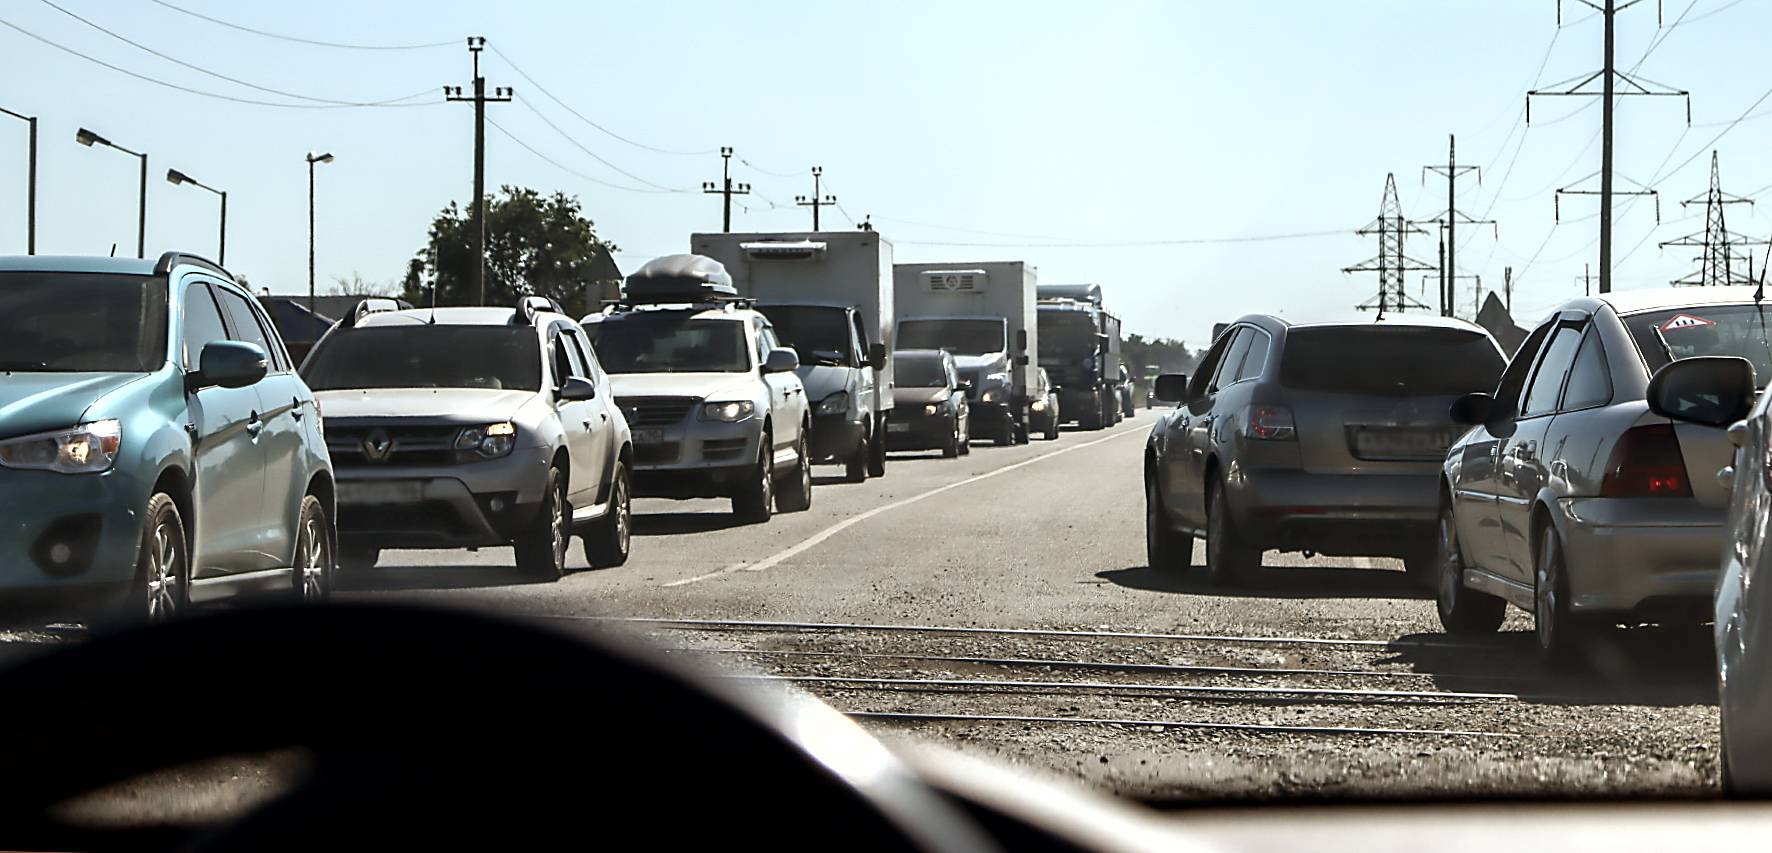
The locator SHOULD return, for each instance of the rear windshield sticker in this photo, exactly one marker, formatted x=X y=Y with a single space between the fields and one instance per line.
x=1686 y=321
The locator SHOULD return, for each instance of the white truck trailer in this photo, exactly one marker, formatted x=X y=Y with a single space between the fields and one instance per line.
x=983 y=313
x=829 y=296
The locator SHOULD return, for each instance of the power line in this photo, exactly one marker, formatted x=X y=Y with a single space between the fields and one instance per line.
x=760 y=170
x=594 y=155
x=1131 y=244
x=563 y=167
x=958 y=229
x=392 y=102
x=217 y=75
x=298 y=39
x=582 y=117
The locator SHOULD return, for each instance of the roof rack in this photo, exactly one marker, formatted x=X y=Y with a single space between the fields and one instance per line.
x=169 y=260
x=366 y=307
x=529 y=306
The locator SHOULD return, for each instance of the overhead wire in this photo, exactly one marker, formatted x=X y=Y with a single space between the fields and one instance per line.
x=563 y=167
x=298 y=39
x=594 y=155
x=586 y=119
x=1121 y=244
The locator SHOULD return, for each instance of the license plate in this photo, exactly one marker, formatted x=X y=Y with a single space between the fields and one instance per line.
x=1401 y=443
x=649 y=436
x=897 y=427
x=380 y=493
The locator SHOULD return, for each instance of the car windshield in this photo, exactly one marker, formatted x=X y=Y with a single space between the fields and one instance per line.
x=821 y=335
x=1390 y=361
x=1735 y=330
x=958 y=336
x=426 y=356
x=914 y=372
x=1066 y=333
x=669 y=342
x=53 y=322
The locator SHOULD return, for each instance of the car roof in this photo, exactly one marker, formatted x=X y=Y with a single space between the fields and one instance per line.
x=698 y=312
x=77 y=264
x=453 y=316
x=1663 y=298
x=1390 y=320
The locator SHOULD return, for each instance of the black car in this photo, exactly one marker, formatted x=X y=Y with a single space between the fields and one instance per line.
x=930 y=410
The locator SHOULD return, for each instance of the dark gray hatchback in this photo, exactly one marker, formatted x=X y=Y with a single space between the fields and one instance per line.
x=1323 y=437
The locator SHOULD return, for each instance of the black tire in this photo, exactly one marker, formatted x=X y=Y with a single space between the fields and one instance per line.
x=1563 y=637
x=160 y=590
x=1423 y=567
x=357 y=558
x=1006 y=431
x=1165 y=548
x=1021 y=431
x=855 y=468
x=541 y=547
x=314 y=563
x=1090 y=419
x=754 y=502
x=1463 y=611
x=1051 y=432
x=795 y=495
x=950 y=446
x=877 y=450
x=1229 y=558
x=608 y=540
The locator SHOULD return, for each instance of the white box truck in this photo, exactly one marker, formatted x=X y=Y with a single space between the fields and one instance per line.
x=983 y=313
x=829 y=296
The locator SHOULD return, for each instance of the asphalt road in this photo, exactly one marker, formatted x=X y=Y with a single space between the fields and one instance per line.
x=1244 y=700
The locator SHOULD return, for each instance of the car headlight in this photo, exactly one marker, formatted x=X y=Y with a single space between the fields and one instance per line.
x=730 y=412
x=835 y=404
x=990 y=395
x=84 y=449
x=1038 y=405
x=489 y=442
x=931 y=409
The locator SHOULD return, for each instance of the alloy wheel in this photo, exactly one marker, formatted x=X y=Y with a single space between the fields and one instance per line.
x=165 y=570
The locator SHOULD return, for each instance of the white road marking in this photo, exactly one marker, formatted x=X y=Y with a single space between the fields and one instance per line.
x=816 y=538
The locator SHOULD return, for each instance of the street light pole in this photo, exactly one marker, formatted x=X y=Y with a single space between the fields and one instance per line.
x=30 y=183
x=312 y=159
x=175 y=177
x=88 y=138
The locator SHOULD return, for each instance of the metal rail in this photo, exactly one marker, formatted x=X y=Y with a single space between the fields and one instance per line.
x=1173 y=724
x=1062 y=686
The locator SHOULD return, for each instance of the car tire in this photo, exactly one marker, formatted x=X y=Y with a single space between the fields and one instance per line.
x=877 y=450
x=1090 y=419
x=357 y=558
x=609 y=539
x=755 y=500
x=1422 y=567
x=1052 y=423
x=541 y=547
x=160 y=590
x=314 y=563
x=1463 y=611
x=855 y=468
x=950 y=446
x=796 y=494
x=1006 y=431
x=1228 y=557
x=1165 y=548
x=1563 y=636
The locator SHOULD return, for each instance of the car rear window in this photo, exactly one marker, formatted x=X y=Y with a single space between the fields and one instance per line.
x=1740 y=330
x=1389 y=360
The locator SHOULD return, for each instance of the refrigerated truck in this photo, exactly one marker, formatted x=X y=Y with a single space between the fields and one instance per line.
x=1081 y=353
x=829 y=296
x=984 y=314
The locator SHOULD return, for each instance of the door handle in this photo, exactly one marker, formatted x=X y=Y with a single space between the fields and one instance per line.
x=588 y=424
x=295 y=408
x=254 y=425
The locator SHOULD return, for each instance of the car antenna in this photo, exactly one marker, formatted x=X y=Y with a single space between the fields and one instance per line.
x=113 y=250
x=432 y=321
x=1760 y=289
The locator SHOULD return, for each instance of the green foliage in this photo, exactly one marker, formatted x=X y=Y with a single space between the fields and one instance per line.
x=536 y=245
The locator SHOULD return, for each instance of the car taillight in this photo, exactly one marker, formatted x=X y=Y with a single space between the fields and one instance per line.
x=1646 y=463
x=1270 y=423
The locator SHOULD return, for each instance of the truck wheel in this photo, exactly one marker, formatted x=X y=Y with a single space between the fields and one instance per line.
x=608 y=541
x=541 y=547
x=855 y=468
x=1228 y=557
x=1006 y=431
x=796 y=492
x=877 y=450
x=754 y=501
x=1090 y=417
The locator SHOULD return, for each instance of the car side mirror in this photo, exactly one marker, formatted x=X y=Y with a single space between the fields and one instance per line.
x=230 y=364
x=781 y=360
x=578 y=388
x=1171 y=388
x=1714 y=390
x=1472 y=409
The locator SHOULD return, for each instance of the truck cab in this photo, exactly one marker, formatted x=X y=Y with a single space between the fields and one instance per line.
x=982 y=313
x=1081 y=354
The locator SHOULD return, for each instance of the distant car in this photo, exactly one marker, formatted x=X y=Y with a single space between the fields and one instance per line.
x=716 y=409
x=1323 y=437
x=1043 y=406
x=157 y=448
x=472 y=427
x=1571 y=498
x=930 y=409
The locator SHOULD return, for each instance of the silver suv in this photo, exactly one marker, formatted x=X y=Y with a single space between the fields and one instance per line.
x=716 y=409
x=468 y=427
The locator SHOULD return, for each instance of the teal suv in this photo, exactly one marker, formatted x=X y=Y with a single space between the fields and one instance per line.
x=157 y=448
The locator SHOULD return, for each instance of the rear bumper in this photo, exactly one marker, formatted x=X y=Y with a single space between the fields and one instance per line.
x=1631 y=554
x=835 y=438
x=1339 y=514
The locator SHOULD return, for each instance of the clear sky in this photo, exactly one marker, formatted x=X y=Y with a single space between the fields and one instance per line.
x=948 y=122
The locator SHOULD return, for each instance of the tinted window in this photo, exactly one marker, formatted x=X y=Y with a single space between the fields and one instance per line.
x=1547 y=378
x=669 y=342
x=961 y=337
x=1389 y=360
x=562 y=361
x=1513 y=380
x=819 y=335
x=426 y=356
x=76 y=322
x=1259 y=343
x=920 y=373
x=1201 y=378
x=1740 y=330
x=1233 y=357
x=243 y=326
x=1590 y=381
x=581 y=349
x=1066 y=333
x=203 y=323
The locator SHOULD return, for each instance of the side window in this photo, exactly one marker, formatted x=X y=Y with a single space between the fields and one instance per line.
x=203 y=323
x=1547 y=380
x=279 y=353
x=1233 y=358
x=861 y=338
x=560 y=357
x=1513 y=380
x=763 y=340
x=581 y=348
x=1202 y=378
x=242 y=323
x=1590 y=380
x=1259 y=345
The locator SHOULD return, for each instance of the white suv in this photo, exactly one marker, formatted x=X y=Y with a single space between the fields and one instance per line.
x=711 y=396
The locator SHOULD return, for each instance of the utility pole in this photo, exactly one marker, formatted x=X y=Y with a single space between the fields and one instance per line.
x=726 y=188
x=30 y=182
x=817 y=200
x=1390 y=263
x=1609 y=77
x=1716 y=263
x=477 y=291
x=1450 y=219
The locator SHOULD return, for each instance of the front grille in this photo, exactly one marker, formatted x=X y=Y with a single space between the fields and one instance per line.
x=659 y=453
x=655 y=411
x=722 y=448
x=350 y=446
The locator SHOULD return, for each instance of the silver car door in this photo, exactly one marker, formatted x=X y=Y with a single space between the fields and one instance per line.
x=576 y=421
x=1524 y=469
x=597 y=424
x=1474 y=493
x=229 y=462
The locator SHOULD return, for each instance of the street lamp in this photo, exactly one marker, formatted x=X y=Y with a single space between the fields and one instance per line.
x=176 y=177
x=88 y=138
x=31 y=183
x=312 y=159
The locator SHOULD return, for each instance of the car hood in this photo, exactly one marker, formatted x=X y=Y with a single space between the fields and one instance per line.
x=823 y=380
x=920 y=396
x=683 y=384
x=445 y=404
x=38 y=402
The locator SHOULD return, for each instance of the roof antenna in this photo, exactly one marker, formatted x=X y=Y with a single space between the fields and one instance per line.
x=1760 y=290
x=113 y=250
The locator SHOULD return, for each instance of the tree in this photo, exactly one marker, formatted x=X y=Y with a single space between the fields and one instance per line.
x=356 y=285
x=535 y=246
